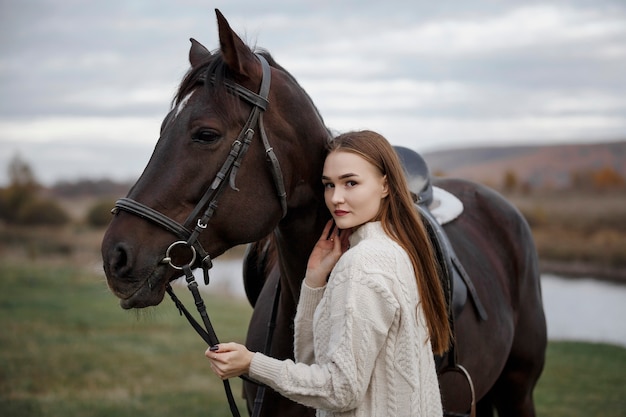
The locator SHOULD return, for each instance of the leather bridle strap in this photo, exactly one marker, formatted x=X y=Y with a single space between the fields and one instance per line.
x=276 y=171
x=209 y=200
x=209 y=334
x=238 y=148
x=148 y=213
x=184 y=234
x=189 y=238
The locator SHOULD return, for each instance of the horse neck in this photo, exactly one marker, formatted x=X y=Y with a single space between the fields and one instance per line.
x=307 y=214
x=298 y=232
x=295 y=238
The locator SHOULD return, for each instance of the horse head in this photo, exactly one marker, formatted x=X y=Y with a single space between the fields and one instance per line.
x=230 y=163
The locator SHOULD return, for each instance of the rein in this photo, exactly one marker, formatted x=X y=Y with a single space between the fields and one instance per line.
x=189 y=238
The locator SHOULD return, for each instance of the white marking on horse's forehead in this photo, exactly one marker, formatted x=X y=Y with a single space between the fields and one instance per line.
x=182 y=104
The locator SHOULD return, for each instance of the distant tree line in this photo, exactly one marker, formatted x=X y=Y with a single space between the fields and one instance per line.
x=591 y=180
x=606 y=178
x=25 y=202
x=87 y=187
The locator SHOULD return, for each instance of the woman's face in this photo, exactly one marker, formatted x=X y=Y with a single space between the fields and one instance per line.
x=353 y=189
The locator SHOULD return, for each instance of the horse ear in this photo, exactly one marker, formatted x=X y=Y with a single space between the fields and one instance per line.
x=197 y=53
x=236 y=53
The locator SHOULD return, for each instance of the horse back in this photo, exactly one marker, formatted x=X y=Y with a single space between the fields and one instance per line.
x=495 y=245
x=492 y=239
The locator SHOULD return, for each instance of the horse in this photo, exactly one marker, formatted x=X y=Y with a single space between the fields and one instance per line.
x=239 y=161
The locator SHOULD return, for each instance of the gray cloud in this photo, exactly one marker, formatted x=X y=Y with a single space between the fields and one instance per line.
x=97 y=77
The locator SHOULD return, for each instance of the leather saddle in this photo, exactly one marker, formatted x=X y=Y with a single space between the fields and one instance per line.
x=454 y=279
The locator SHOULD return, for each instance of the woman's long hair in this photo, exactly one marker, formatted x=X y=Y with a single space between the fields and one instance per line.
x=402 y=223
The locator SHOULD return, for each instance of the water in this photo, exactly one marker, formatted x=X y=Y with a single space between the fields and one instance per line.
x=584 y=309
x=576 y=309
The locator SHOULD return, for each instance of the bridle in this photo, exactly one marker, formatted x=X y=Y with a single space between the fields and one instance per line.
x=230 y=167
x=209 y=202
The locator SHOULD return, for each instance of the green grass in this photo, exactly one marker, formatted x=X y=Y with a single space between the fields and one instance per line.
x=68 y=349
x=583 y=380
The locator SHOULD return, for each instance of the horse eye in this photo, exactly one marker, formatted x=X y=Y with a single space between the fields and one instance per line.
x=206 y=136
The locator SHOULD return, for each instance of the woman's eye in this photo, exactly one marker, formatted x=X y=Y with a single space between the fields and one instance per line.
x=206 y=136
x=351 y=183
x=329 y=185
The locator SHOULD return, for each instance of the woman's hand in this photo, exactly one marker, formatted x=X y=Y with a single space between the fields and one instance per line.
x=229 y=360
x=325 y=255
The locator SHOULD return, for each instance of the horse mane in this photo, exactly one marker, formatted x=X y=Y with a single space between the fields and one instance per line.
x=215 y=68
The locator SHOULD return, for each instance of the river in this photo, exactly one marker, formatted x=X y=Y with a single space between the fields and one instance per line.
x=576 y=309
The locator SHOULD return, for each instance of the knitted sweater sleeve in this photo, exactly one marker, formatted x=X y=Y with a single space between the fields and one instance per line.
x=352 y=325
x=303 y=323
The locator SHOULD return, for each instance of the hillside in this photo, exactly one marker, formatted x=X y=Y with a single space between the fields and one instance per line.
x=537 y=166
x=573 y=196
x=579 y=229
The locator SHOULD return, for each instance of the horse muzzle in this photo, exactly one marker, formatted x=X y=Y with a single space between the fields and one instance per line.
x=136 y=286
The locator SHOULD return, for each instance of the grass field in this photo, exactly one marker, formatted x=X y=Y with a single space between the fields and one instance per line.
x=67 y=349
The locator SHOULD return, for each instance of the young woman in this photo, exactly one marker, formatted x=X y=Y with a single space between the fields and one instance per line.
x=365 y=335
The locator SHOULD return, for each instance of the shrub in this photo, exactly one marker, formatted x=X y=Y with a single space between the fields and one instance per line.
x=535 y=216
x=99 y=215
x=12 y=199
x=41 y=212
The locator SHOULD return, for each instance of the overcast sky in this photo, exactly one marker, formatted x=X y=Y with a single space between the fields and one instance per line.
x=85 y=84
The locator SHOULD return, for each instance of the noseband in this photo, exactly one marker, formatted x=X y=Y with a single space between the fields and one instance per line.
x=208 y=203
x=230 y=167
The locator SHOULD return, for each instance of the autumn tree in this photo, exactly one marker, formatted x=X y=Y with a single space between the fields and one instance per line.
x=19 y=201
x=607 y=178
x=510 y=182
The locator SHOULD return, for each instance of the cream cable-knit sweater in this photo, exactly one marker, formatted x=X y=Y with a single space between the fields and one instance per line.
x=361 y=342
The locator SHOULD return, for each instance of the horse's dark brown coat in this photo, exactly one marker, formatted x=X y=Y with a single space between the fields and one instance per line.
x=504 y=355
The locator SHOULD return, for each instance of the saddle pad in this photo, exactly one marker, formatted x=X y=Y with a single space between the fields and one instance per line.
x=445 y=206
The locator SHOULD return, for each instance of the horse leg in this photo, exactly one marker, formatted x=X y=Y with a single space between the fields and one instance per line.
x=484 y=407
x=513 y=392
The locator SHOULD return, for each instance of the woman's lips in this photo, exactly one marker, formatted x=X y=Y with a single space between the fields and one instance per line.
x=340 y=213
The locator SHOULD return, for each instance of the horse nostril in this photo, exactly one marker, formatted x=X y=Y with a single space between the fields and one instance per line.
x=120 y=264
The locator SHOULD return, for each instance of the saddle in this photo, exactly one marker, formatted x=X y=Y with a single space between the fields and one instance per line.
x=433 y=206
x=436 y=208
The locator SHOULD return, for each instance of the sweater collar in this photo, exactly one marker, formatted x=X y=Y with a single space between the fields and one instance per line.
x=365 y=231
